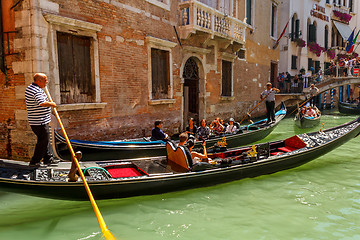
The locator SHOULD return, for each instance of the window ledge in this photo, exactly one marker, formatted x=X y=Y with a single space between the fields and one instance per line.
x=80 y=106
x=162 y=101
x=165 y=5
x=227 y=98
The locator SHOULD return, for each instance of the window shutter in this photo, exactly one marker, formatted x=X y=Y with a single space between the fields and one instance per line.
x=75 y=68
x=226 y=78
x=248 y=11
x=293 y=30
x=312 y=33
x=159 y=73
x=293 y=62
x=326 y=38
x=297 y=28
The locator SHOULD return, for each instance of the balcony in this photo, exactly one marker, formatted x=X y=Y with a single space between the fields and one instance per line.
x=197 y=17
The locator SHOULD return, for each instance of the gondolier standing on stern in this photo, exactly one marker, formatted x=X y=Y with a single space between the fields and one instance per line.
x=313 y=92
x=269 y=95
x=38 y=107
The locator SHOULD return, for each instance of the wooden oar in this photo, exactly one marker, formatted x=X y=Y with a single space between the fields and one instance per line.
x=248 y=114
x=301 y=105
x=105 y=231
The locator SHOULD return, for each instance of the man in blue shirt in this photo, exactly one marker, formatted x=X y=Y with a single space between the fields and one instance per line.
x=157 y=133
x=38 y=107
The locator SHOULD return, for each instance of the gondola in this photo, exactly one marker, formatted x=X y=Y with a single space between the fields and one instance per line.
x=134 y=177
x=303 y=121
x=349 y=108
x=138 y=148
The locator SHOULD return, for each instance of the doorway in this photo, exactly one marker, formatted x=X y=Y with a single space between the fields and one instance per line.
x=191 y=90
x=273 y=74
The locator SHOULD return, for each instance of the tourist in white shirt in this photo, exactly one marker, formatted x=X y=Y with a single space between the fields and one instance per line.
x=231 y=128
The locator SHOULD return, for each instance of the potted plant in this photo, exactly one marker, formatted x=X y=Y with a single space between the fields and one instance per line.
x=342 y=16
x=315 y=48
x=331 y=53
x=300 y=43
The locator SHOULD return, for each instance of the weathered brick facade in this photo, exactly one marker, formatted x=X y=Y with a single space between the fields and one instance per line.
x=122 y=34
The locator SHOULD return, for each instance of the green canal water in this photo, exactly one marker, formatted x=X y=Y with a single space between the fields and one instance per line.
x=319 y=200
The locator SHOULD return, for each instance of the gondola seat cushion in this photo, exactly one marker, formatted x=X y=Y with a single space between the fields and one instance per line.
x=276 y=153
x=125 y=170
x=293 y=143
x=287 y=149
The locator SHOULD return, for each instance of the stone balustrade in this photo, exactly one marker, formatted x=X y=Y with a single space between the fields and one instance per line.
x=196 y=16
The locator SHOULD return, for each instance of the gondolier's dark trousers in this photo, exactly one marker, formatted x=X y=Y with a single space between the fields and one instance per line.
x=270 y=110
x=42 y=148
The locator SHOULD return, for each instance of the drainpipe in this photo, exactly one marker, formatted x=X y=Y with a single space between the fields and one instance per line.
x=8 y=138
x=2 y=52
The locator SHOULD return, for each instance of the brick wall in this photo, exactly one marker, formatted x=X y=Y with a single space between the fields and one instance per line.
x=123 y=72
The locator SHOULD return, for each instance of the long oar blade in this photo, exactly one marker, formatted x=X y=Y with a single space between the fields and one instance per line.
x=105 y=231
x=248 y=114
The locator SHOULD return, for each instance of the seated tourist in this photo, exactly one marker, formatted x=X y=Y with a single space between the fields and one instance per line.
x=224 y=124
x=197 y=157
x=303 y=110
x=231 y=128
x=216 y=126
x=311 y=112
x=203 y=131
x=189 y=145
x=157 y=133
x=191 y=128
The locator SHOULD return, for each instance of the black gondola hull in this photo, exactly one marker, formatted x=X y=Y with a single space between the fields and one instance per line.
x=97 y=152
x=348 y=108
x=174 y=182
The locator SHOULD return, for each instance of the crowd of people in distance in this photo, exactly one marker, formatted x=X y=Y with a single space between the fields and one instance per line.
x=345 y=67
x=342 y=67
x=287 y=83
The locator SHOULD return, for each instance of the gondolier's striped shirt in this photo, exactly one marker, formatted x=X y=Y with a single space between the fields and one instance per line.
x=37 y=115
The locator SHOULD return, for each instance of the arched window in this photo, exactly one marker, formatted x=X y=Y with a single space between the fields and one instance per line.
x=295 y=27
x=333 y=37
x=351 y=5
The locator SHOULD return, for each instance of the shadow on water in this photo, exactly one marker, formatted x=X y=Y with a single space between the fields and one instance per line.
x=17 y=209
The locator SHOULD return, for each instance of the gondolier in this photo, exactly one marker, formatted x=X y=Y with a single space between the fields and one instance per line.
x=269 y=95
x=39 y=109
x=313 y=92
